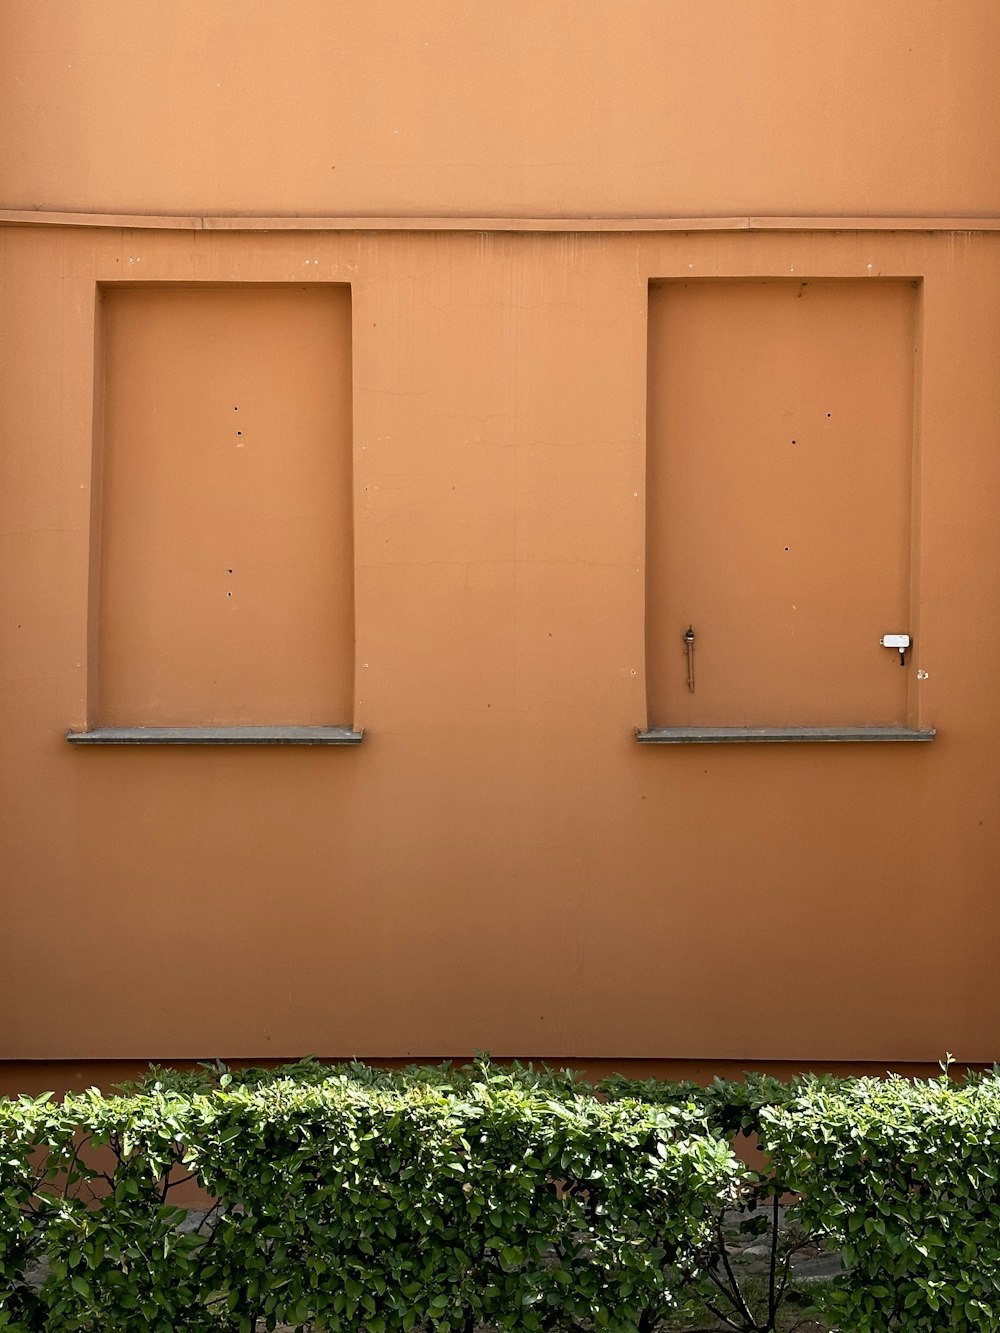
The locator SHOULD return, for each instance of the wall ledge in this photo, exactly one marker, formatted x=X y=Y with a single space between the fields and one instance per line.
x=216 y=736
x=292 y=222
x=751 y=735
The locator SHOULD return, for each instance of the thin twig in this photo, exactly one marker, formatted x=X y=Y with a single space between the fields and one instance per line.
x=772 y=1308
x=737 y=1295
x=740 y=1328
x=169 y=1184
x=214 y=1209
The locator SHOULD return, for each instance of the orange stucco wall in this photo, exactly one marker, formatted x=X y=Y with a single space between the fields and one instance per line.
x=498 y=865
x=678 y=107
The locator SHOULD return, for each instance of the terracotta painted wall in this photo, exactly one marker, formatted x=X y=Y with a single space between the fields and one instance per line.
x=498 y=864
x=662 y=107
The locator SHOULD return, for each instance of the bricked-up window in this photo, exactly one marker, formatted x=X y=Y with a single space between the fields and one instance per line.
x=224 y=588
x=780 y=492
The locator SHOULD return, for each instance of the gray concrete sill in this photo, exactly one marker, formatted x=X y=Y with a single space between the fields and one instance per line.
x=784 y=735
x=216 y=736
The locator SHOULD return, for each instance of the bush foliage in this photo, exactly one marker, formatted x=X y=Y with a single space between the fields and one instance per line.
x=351 y=1198
x=355 y=1201
x=903 y=1178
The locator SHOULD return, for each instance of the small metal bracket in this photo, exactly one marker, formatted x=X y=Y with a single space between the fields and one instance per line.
x=688 y=637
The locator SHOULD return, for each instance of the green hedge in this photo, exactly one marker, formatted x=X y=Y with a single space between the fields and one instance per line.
x=902 y=1177
x=905 y=1179
x=444 y=1199
x=355 y=1203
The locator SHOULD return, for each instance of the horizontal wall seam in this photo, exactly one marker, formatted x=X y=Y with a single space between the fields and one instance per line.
x=218 y=222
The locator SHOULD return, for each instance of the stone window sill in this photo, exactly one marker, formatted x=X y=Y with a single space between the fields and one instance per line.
x=752 y=735
x=216 y=736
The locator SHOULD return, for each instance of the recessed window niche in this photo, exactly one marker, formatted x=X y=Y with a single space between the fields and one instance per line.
x=780 y=499
x=224 y=584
